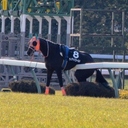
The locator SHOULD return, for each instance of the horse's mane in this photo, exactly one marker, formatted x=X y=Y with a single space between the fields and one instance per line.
x=47 y=40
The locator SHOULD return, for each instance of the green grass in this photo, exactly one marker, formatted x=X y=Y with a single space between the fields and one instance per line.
x=21 y=110
x=111 y=84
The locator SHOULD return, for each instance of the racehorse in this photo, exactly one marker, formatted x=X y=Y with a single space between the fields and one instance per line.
x=59 y=57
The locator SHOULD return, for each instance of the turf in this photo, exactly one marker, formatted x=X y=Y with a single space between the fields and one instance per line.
x=21 y=110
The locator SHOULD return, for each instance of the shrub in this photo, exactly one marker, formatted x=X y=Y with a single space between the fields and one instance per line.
x=123 y=94
x=89 y=89
x=28 y=86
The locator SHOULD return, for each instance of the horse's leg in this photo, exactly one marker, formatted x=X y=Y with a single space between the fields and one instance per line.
x=82 y=75
x=49 y=75
x=59 y=75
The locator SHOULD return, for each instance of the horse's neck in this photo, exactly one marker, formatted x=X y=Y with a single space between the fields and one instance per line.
x=48 y=48
x=44 y=47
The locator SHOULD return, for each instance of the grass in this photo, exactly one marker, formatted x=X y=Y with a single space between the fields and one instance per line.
x=21 y=110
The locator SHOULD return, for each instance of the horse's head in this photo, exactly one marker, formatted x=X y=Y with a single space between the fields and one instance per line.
x=34 y=45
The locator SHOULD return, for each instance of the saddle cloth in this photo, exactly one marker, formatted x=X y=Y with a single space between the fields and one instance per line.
x=69 y=54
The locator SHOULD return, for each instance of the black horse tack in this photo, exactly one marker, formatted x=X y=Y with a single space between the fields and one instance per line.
x=59 y=57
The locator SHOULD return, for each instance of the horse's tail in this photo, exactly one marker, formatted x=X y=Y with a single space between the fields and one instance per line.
x=101 y=79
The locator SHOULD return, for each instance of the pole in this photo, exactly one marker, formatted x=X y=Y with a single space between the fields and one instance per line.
x=37 y=82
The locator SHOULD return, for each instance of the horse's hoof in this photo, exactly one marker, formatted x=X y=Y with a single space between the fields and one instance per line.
x=47 y=91
x=63 y=92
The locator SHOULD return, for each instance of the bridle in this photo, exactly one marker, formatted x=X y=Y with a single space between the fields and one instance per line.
x=33 y=48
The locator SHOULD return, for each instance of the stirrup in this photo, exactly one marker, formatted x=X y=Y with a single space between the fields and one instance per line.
x=46 y=90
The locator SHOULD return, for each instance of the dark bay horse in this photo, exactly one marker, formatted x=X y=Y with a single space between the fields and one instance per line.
x=60 y=58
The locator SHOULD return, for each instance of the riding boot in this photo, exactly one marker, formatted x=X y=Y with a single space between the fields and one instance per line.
x=63 y=91
x=46 y=90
